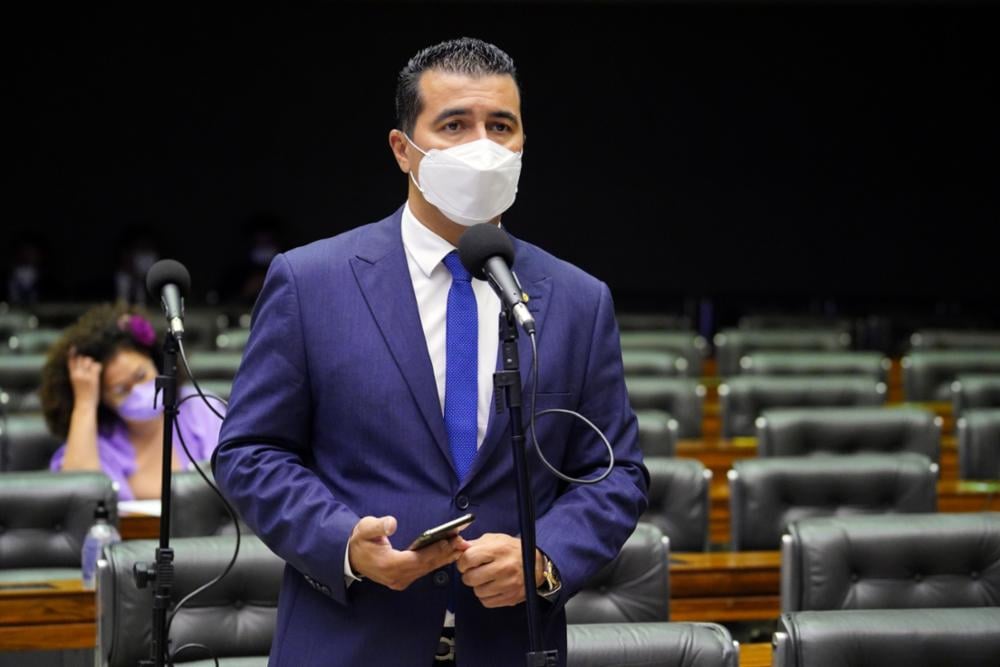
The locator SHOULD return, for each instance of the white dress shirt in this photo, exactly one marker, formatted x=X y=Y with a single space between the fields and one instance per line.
x=425 y=252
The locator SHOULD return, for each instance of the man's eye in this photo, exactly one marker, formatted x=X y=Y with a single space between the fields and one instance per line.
x=500 y=127
x=453 y=126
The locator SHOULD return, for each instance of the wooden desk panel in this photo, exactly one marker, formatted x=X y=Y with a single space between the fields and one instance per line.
x=57 y=614
x=725 y=586
x=139 y=527
x=755 y=655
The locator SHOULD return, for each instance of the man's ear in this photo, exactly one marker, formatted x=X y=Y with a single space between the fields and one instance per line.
x=398 y=144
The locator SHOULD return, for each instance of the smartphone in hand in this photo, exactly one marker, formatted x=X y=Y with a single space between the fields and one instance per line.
x=442 y=532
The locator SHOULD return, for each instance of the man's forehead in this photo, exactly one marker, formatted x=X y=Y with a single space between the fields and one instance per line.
x=440 y=89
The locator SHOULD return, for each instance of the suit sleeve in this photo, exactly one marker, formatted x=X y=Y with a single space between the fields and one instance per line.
x=588 y=524
x=264 y=446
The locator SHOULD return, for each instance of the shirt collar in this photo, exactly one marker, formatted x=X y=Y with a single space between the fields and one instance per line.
x=424 y=247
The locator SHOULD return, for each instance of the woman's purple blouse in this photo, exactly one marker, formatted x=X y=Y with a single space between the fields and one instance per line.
x=196 y=422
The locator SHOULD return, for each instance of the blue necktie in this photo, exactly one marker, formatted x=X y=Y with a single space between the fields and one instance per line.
x=461 y=392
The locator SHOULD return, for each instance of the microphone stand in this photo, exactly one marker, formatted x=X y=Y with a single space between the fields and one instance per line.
x=509 y=381
x=161 y=573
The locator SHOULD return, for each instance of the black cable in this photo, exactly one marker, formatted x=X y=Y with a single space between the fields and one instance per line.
x=192 y=645
x=215 y=489
x=236 y=524
x=187 y=369
x=204 y=397
x=534 y=437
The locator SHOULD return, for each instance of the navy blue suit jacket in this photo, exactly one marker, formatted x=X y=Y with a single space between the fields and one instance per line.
x=335 y=415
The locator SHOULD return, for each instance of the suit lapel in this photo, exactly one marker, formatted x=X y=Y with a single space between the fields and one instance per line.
x=538 y=287
x=383 y=276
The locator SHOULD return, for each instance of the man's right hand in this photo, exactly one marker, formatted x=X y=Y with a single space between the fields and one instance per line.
x=371 y=555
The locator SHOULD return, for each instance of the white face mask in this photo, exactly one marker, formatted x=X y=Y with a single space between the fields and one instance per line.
x=469 y=183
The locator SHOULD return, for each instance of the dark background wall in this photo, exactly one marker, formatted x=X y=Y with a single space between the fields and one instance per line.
x=800 y=153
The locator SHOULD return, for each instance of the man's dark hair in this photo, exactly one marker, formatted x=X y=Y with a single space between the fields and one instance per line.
x=465 y=55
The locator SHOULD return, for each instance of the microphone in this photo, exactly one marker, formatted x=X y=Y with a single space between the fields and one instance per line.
x=487 y=253
x=170 y=282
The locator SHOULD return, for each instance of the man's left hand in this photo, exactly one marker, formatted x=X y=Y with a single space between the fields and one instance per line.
x=491 y=566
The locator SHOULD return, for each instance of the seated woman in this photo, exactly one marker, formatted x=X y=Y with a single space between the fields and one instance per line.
x=98 y=387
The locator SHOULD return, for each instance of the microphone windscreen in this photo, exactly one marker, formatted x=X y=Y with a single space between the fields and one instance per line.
x=165 y=272
x=479 y=243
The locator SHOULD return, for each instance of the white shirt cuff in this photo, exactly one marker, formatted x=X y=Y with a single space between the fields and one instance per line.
x=349 y=576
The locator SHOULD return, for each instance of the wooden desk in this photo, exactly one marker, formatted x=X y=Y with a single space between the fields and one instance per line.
x=47 y=615
x=755 y=655
x=139 y=527
x=725 y=586
x=953 y=496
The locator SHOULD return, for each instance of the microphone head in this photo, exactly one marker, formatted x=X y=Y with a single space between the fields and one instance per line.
x=165 y=272
x=479 y=243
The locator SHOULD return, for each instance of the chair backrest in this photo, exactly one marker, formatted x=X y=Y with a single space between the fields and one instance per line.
x=25 y=443
x=975 y=391
x=196 y=511
x=34 y=341
x=215 y=365
x=653 y=322
x=876 y=638
x=742 y=399
x=979 y=444
x=867 y=364
x=201 y=326
x=14 y=321
x=801 y=431
x=678 y=501
x=633 y=587
x=44 y=516
x=220 y=388
x=21 y=372
x=235 y=617
x=653 y=363
x=768 y=494
x=955 y=339
x=20 y=401
x=657 y=432
x=731 y=345
x=681 y=398
x=232 y=339
x=649 y=644
x=770 y=321
x=891 y=562
x=685 y=344
x=928 y=374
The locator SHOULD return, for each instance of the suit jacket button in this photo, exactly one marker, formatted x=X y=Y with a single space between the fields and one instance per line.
x=441 y=578
x=462 y=502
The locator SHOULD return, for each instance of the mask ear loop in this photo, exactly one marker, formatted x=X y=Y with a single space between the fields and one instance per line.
x=422 y=152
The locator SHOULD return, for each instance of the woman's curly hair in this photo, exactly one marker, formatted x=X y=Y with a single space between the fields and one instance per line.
x=101 y=332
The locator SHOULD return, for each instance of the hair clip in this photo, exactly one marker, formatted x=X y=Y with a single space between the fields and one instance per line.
x=139 y=328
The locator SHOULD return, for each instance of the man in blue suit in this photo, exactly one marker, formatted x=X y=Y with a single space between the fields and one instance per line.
x=361 y=414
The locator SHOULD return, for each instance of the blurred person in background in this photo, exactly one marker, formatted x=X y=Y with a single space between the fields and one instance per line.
x=98 y=388
x=25 y=281
x=243 y=282
x=138 y=252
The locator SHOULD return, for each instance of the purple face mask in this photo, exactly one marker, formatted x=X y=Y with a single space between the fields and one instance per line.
x=138 y=405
